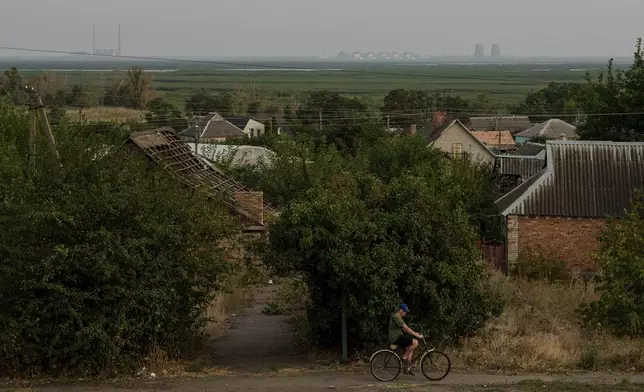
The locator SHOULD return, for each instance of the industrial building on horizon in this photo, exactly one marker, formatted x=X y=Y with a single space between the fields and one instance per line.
x=479 y=51
x=107 y=52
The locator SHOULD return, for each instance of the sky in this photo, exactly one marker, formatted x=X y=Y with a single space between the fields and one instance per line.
x=224 y=28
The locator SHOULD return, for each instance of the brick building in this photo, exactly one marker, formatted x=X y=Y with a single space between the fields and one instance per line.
x=561 y=211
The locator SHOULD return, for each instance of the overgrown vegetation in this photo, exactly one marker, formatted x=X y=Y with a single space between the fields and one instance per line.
x=621 y=307
x=389 y=225
x=102 y=261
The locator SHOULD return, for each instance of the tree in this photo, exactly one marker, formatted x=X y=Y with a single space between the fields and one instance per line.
x=139 y=86
x=555 y=98
x=12 y=87
x=612 y=93
x=254 y=108
x=405 y=107
x=116 y=93
x=201 y=102
x=163 y=114
x=388 y=225
x=102 y=261
x=332 y=107
x=620 y=308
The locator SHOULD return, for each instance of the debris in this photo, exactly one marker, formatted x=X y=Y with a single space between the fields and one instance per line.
x=153 y=375
x=270 y=281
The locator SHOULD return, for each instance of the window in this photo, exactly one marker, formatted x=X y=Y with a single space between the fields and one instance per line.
x=457 y=150
x=252 y=132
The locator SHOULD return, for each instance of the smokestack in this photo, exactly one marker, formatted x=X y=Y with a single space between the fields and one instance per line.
x=118 y=48
x=93 y=39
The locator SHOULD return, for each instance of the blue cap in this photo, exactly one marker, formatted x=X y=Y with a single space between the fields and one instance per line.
x=404 y=308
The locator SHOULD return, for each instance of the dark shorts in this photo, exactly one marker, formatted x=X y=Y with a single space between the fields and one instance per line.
x=404 y=341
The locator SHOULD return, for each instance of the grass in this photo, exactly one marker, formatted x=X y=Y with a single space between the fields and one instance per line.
x=539 y=331
x=505 y=84
x=534 y=386
x=95 y=114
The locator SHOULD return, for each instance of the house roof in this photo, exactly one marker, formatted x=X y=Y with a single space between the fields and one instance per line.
x=164 y=147
x=553 y=128
x=240 y=121
x=240 y=154
x=433 y=134
x=581 y=179
x=513 y=124
x=523 y=166
x=531 y=149
x=215 y=128
x=491 y=138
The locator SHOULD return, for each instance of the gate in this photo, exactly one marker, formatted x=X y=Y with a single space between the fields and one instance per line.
x=494 y=253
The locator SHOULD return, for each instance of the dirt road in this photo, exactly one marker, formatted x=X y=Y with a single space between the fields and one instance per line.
x=313 y=382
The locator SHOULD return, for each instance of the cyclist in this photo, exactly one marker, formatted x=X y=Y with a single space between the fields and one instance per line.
x=403 y=336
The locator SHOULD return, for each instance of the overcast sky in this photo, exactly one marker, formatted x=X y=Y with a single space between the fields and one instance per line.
x=303 y=27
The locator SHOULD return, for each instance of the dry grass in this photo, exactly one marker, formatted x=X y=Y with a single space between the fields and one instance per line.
x=540 y=331
x=96 y=114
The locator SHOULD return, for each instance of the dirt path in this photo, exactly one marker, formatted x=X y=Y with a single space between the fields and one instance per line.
x=456 y=382
x=255 y=340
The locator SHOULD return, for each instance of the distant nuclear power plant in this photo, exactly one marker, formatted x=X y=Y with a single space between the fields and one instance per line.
x=479 y=51
x=107 y=52
x=496 y=51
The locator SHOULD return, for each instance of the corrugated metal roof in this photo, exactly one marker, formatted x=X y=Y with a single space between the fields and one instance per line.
x=511 y=123
x=582 y=179
x=167 y=149
x=523 y=166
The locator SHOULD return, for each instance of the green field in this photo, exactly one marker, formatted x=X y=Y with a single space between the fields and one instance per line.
x=506 y=84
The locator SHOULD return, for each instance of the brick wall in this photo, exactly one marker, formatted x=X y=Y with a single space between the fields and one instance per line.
x=251 y=202
x=573 y=240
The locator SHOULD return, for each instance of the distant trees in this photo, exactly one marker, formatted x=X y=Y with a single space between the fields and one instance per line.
x=203 y=102
x=134 y=90
x=331 y=106
x=163 y=114
x=556 y=98
x=12 y=86
x=614 y=92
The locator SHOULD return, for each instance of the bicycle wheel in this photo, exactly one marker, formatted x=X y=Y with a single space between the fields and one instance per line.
x=385 y=365
x=435 y=365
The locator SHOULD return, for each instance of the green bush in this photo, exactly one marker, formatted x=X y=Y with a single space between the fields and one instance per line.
x=384 y=234
x=100 y=262
x=620 y=308
x=536 y=265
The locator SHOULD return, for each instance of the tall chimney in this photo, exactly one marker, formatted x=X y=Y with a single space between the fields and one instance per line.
x=118 y=47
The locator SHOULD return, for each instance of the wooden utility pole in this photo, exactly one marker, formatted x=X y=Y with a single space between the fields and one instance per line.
x=498 y=129
x=320 y=126
x=37 y=115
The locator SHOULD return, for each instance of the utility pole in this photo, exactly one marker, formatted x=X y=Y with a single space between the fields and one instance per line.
x=197 y=137
x=498 y=129
x=388 y=123
x=320 y=127
x=37 y=114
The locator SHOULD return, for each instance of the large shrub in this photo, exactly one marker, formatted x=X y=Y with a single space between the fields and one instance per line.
x=100 y=261
x=620 y=308
x=393 y=227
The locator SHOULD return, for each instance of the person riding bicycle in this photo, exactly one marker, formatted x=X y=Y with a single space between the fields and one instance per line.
x=403 y=336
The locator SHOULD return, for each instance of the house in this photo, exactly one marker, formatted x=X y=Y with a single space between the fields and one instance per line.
x=531 y=149
x=166 y=149
x=497 y=141
x=560 y=211
x=238 y=155
x=250 y=126
x=514 y=124
x=212 y=130
x=455 y=139
x=551 y=129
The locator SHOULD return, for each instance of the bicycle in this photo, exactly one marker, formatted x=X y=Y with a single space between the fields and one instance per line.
x=390 y=358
